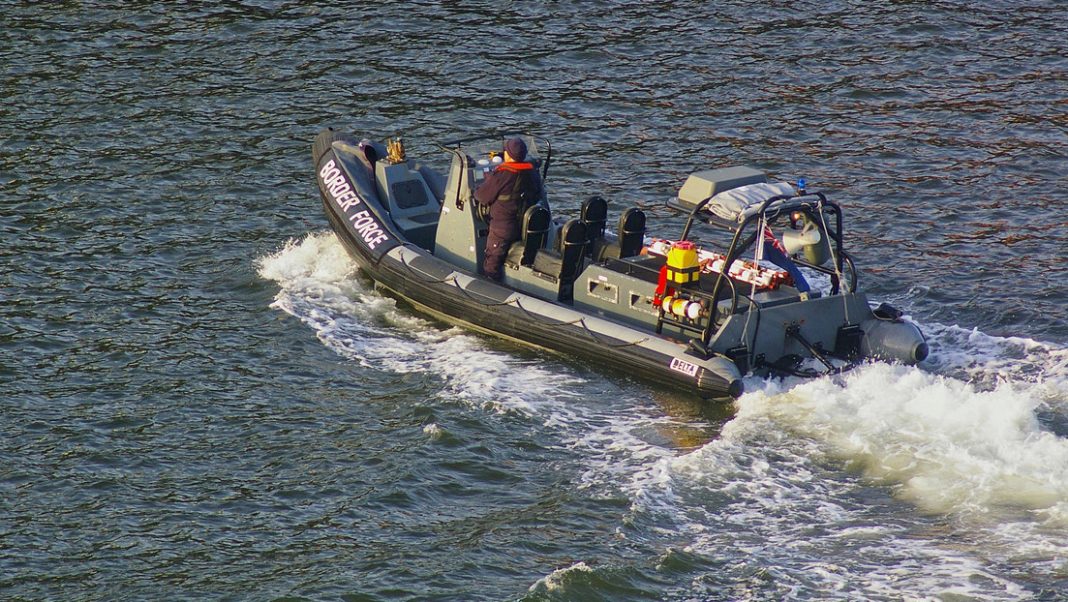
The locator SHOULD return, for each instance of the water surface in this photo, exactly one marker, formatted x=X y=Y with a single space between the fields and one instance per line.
x=203 y=399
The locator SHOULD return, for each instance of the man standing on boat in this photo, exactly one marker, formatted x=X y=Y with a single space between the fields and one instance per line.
x=507 y=191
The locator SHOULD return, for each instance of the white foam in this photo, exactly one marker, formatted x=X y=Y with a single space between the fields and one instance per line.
x=319 y=285
x=763 y=495
x=557 y=580
x=966 y=446
x=986 y=360
x=433 y=431
x=947 y=446
x=316 y=258
x=772 y=486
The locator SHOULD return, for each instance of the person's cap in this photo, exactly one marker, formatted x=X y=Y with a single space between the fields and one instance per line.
x=516 y=148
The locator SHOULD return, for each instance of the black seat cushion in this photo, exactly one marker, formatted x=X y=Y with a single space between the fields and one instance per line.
x=548 y=263
x=631 y=232
x=572 y=249
x=515 y=253
x=595 y=215
x=536 y=222
x=567 y=263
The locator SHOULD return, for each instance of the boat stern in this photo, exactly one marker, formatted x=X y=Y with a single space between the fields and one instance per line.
x=836 y=330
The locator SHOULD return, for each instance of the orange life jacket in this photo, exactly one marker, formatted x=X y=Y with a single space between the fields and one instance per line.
x=515 y=166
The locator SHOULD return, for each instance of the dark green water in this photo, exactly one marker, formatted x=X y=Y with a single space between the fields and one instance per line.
x=200 y=399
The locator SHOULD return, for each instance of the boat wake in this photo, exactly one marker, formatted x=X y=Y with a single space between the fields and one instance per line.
x=952 y=482
x=619 y=428
x=950 y=479
x=320 y=286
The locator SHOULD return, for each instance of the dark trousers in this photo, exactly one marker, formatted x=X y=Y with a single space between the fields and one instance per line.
x=496 y=250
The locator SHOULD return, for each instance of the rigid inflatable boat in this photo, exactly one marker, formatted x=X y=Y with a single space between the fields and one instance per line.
x=698 y=310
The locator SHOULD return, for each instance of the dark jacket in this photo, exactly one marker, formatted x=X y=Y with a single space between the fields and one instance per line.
x=505 y=200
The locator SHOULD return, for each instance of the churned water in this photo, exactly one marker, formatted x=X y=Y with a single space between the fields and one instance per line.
x=200 y=397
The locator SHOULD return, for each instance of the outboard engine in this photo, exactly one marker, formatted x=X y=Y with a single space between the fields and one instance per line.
x=810 y=241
